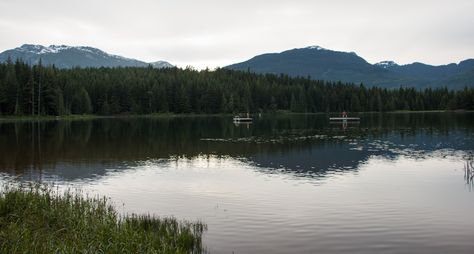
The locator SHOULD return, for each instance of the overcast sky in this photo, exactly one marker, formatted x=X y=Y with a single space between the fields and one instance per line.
x=214 y=33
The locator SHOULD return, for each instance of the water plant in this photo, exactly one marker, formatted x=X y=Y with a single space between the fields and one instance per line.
x=36 y=218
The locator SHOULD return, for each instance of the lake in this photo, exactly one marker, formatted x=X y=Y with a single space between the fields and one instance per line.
x=392 y=183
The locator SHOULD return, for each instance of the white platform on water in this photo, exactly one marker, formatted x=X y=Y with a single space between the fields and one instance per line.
x=344 y=118
x=242 y=119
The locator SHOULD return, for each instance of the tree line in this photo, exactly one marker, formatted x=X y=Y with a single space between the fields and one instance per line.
x=47 y=90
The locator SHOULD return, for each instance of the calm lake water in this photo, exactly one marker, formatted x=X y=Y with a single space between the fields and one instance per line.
x=393 y=183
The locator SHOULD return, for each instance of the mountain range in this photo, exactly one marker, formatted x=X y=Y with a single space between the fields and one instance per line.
x=63 y=56
x=314 y=62
x=323 y=64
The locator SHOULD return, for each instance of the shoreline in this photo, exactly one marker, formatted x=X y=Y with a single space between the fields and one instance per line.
x=178 y=115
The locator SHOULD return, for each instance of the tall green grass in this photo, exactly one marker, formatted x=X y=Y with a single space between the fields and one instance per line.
x=41 y=219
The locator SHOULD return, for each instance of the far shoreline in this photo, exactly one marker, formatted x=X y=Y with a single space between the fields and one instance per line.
x=7 y=118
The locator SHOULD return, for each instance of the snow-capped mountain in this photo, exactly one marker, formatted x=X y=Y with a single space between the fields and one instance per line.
x=63 y=56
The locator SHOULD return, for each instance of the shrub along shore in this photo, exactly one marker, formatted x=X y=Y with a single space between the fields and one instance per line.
x=40 y=219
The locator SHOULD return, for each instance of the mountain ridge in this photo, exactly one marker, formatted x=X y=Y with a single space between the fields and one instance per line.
x=320 y=63
x=64 y=56
x=312 y=61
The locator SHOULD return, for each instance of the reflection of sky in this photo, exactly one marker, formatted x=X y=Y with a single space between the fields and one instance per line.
x=282 y=191
x=303 y=145
x=404 y=203
x=345 y=153
x=306 y=156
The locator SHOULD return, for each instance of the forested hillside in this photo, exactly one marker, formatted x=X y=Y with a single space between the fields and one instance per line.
x=40 y=90
x=320 y=63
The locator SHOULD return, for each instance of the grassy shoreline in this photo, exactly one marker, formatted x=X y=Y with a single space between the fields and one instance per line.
x=174 y=115
x=40 y=219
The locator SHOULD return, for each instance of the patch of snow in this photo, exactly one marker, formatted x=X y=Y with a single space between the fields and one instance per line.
x=56 y=48
x=39 y=49
x=87 y=49
x=386 y=64
x=116 y=56
x=316 y=47
x=30 y=48
x=161 y=64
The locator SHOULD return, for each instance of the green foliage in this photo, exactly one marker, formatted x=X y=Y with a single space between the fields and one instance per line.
x=39 y=90
x=39 y=219
x=81 y=102
x=3 y=96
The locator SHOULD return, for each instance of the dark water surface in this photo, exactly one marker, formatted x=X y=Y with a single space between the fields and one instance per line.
x=393 y=183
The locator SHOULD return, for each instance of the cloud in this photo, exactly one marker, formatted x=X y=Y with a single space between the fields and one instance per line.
x=215 y=33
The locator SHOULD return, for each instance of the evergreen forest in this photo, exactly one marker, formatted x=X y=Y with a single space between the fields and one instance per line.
x=47 y=90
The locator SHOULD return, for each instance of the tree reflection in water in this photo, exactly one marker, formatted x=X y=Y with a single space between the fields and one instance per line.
x=300 y=145
x=469 y=174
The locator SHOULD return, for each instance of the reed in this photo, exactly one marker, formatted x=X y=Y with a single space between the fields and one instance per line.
x=40 y=219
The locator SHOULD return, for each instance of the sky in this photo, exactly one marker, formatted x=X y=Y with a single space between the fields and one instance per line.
x=205 y=33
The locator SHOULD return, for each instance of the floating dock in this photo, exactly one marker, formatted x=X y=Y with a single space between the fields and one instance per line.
x=344 y=119
x=238 y=119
